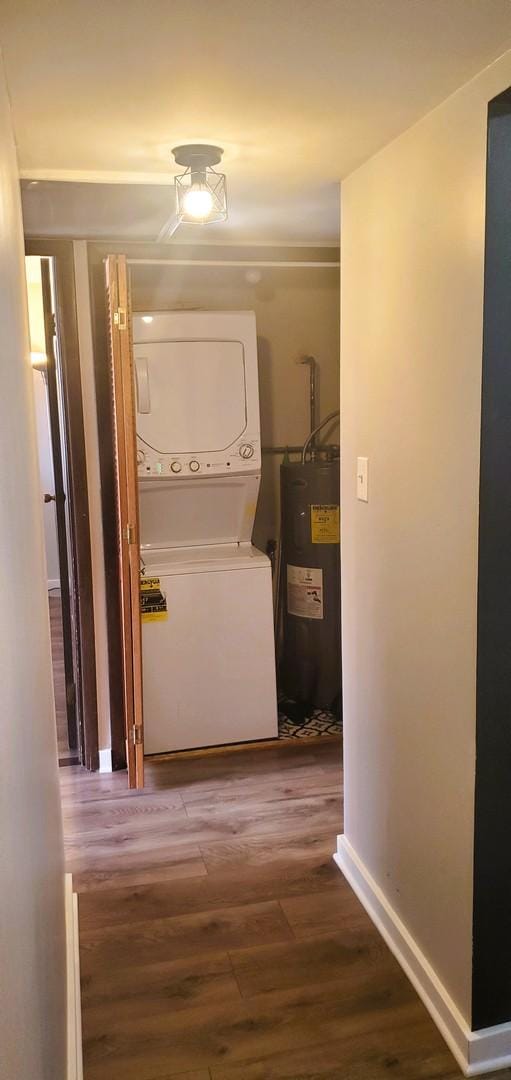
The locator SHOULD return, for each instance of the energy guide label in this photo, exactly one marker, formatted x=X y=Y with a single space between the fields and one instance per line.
x=325 y=523
x=153 y=602
x=305 y=592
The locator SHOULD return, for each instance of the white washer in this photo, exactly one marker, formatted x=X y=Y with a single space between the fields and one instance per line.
x=208 y=663
x=209 y=670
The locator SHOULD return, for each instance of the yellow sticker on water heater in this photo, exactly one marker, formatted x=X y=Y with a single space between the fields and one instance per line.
x=325 y=528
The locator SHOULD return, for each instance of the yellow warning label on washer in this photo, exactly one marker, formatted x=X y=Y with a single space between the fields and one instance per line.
x=153 y=602
x=325 y=523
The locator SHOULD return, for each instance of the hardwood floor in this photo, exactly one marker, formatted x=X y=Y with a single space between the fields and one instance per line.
x=59 y=683
x=218 y=940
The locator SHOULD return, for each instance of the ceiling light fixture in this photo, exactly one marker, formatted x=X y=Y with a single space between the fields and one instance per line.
x=200 y=191
x=201 y=196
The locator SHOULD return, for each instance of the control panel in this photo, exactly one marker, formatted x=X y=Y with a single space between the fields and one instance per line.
x=244 y=456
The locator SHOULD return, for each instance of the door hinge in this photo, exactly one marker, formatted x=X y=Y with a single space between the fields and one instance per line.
x=128 y=534
x=120 y=318
x=138 y=737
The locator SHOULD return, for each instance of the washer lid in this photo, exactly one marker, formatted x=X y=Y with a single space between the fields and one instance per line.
x=202 y=560
x=197 y=510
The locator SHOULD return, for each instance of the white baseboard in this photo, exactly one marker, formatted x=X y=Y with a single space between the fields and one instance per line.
x=53 y=583
x=74 y=1013
x=105 y=760
x=476 y=1052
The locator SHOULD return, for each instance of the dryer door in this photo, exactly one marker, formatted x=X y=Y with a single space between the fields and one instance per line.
x=191 y=395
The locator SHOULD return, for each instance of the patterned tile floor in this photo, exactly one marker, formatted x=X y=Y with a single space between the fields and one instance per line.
x=320 y=722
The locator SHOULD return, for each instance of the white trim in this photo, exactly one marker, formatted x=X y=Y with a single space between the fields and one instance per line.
x=285 y=265
x=74 y=1018
x=78 y=996
x=53 y=583
x=476 y=1052
x=98 y=176
x=105 y=760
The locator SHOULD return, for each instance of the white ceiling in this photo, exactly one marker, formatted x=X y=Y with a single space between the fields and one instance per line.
x=299 y=92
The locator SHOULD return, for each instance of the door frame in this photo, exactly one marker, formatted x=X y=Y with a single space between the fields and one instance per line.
x=61 y=252
x=71 y=657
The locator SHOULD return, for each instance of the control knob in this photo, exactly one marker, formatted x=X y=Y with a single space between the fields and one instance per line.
x=246 y=450
x=194 y=466
x=176 y=466
x=140 y=457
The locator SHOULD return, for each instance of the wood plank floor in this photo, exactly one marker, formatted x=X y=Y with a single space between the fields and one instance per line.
x=218 y=940
x=59 y=681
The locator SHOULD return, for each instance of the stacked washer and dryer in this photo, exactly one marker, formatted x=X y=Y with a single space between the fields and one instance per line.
x=208 y=649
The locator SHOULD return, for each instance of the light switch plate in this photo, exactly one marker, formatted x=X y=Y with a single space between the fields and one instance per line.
x=362 y=468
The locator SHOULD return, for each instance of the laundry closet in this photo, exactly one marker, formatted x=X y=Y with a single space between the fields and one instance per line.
x=221 y=399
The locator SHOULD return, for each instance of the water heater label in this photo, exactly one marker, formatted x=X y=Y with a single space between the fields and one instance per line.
x=325 y=523
x=153 y=603
x=305 y=591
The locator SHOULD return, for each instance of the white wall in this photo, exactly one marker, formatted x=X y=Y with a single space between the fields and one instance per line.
x=411 y=341
x=32 y=986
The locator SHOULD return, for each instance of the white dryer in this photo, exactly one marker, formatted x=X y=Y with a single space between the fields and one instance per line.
x=197 y=393
x=208 y=657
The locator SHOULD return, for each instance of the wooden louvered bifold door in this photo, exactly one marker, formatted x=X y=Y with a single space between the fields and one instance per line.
x=125 y=453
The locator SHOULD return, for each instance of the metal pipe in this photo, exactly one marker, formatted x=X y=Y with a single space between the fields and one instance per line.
x=281 y=449
x=312 y=392
x=323 y=448
x=331 y=416
x=313 y=402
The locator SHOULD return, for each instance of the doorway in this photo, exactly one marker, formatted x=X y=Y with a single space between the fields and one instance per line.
x=124 y=532
x=53 y=478
x=64 y=498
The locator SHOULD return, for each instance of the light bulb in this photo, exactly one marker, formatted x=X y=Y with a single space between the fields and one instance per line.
x=147 y=318
x=198 y=202
x=39 y=361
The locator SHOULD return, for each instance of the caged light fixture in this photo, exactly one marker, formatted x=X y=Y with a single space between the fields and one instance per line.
x=200 y=190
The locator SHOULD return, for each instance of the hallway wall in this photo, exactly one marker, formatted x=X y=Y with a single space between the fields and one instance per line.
x=32 y=948
x=411 y=356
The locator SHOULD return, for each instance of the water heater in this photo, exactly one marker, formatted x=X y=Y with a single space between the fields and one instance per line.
x=310 y=654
